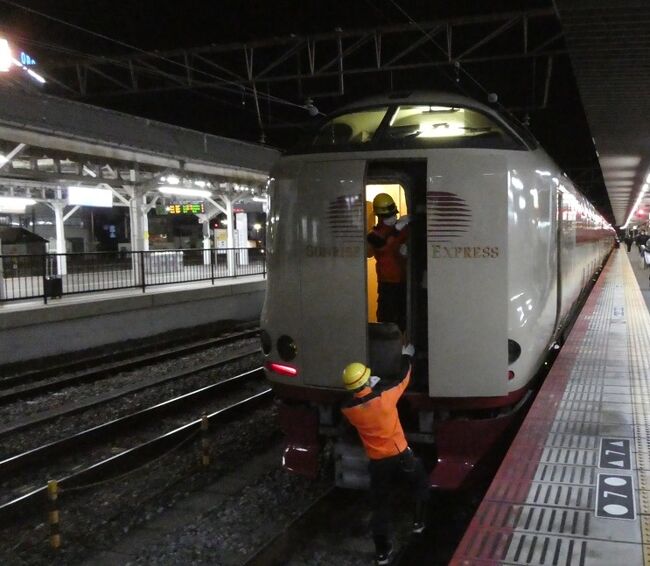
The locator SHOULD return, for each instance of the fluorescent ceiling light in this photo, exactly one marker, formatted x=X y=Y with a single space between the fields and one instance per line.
x=619 y=174
x=173 y=180
x=15 y=205
x=619 y=161
x=90 y=196
x=184 y=192
x=35 y=76
x=6 y=59
x=30 y=72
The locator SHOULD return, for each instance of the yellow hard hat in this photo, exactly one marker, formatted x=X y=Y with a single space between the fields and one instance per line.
x=355 y=375
x=384 y=205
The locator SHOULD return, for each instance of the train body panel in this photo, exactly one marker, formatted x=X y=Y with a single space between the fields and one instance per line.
x=501 y=247
x=467 y=274
x=532 y=262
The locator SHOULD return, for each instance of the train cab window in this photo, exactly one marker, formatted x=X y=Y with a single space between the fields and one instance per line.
x=355 y=128
x=445 y=126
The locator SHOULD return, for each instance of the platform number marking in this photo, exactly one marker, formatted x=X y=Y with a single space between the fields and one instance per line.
x=615 y=454
x=615 y=499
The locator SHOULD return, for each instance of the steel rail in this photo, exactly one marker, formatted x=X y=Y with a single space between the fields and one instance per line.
x=68 y=410
x=10 y=465
x=35 y=501
x=15 y=384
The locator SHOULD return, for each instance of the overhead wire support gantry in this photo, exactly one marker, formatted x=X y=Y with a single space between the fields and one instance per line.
x=325 y=59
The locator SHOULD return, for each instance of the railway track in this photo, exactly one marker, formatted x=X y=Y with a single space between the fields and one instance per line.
x=22 y=386
x=77 y=407
x=34 y=501
x=281 y=547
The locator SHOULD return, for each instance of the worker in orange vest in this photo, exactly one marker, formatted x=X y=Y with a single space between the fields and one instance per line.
x=372 y=410
x=387 y=243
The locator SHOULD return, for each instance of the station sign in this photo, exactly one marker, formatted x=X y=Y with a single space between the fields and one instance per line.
x=615 y=497
x=90 y=196
x=27 y=59
x=615 y=454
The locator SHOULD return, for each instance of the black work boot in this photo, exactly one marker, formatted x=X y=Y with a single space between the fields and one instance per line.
x=383 y=550
x=419 y=517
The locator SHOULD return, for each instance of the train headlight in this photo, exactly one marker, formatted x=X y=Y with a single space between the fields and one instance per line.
x=287 y=348
x=514 y=351
x=267 y=344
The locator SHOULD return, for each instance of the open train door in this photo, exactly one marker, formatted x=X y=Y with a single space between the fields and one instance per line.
x=333 y=269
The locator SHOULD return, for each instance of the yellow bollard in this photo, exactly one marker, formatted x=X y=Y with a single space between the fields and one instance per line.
x=205 y=445
x=53 y=514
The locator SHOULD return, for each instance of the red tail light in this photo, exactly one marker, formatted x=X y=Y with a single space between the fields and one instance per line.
x=282 y=369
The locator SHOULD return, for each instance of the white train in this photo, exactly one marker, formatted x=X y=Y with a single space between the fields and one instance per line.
x=501 y=247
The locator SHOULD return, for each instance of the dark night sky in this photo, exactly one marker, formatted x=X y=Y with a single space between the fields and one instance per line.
x=167 y=25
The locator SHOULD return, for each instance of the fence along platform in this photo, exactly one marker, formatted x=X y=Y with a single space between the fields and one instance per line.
x=40 y=275
x=574 y=487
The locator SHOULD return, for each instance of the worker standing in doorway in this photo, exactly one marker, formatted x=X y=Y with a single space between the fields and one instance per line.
x=372 y=410
x=387 y=243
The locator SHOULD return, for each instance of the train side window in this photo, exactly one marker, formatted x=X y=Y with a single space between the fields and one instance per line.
x=355 y=128
x=445 y=126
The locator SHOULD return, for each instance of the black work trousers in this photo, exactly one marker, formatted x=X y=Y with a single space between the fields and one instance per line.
x=391 y=303
x=383 y=474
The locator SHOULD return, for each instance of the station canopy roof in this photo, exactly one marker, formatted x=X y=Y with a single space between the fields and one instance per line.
x=48 y=142
x=609 y=47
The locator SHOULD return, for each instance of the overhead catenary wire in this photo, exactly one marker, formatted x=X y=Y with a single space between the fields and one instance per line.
x=458 y=66
x=235 y=90
x=252 y=92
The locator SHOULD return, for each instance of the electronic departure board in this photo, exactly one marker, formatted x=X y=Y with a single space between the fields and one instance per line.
x=182 y=208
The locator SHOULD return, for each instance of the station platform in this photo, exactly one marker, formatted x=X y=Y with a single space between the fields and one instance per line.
x=73 y=323
x=574 y=487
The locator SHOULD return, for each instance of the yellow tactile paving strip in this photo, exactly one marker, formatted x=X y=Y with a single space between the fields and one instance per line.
x=638 y=346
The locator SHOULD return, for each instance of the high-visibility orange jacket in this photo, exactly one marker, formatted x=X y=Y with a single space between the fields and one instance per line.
x=385 y=242
x=373 y=412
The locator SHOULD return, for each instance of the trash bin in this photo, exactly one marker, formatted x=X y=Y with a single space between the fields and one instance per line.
x=53 y=287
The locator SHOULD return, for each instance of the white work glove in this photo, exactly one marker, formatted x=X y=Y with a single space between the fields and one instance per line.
x=403 y=221
x=403 y=250
x=374 y=380
x=408 y=350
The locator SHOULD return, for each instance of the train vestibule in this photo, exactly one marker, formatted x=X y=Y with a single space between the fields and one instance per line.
x=405 y=183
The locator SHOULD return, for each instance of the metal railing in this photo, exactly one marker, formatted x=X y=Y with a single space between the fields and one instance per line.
x=53 y=275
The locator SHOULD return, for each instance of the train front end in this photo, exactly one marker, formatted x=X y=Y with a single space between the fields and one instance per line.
x=319 y=313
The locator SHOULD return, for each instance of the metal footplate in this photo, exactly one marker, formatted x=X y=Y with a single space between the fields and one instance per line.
x=351 y=466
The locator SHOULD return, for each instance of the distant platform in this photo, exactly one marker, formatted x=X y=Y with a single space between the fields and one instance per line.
x=31 y=329
x=574 y=487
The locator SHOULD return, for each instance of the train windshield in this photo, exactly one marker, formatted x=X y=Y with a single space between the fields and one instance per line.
x=413 y=126
x=441 y=125
x=355 y=128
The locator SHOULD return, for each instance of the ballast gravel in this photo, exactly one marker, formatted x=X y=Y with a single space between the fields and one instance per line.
x=66 y=425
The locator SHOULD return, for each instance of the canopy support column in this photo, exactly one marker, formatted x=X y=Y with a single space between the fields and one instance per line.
x=59 y=223
x=205 y=227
